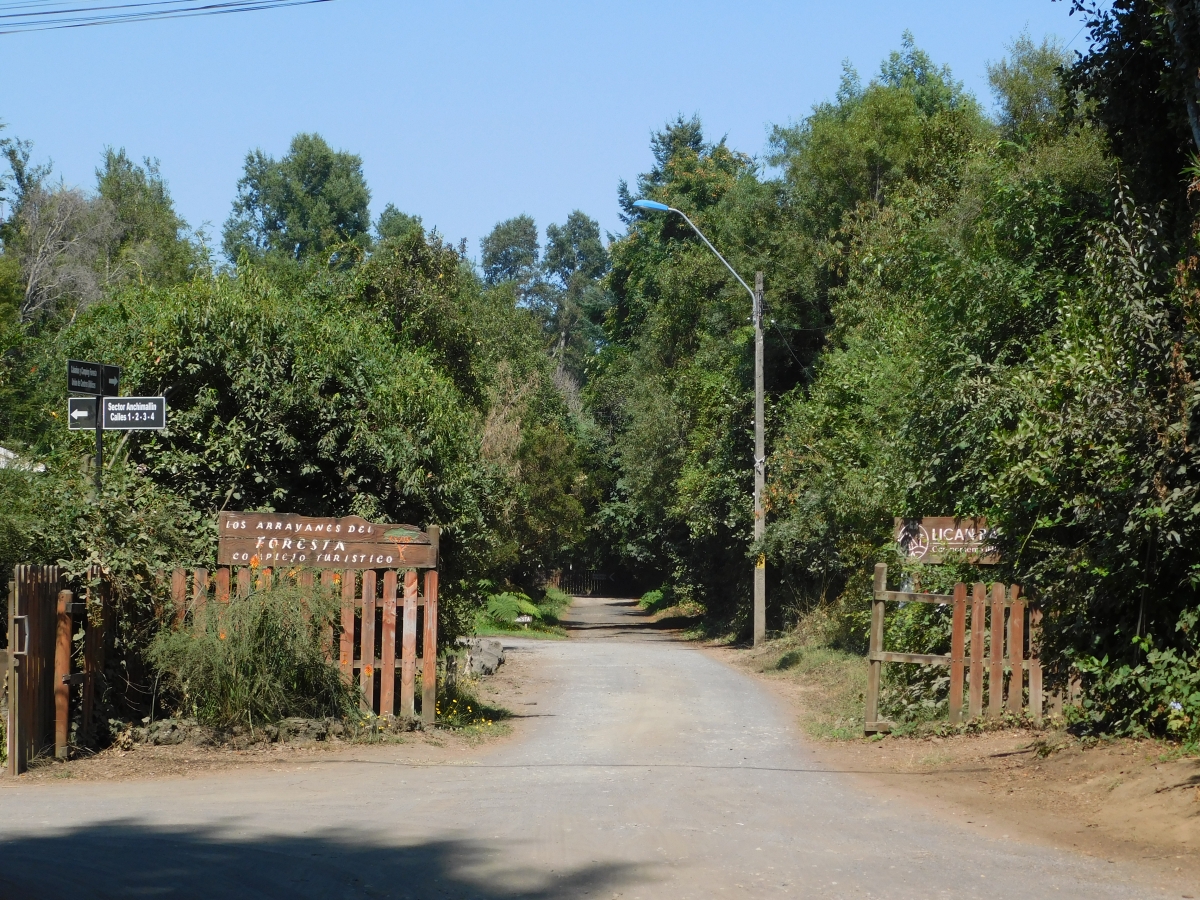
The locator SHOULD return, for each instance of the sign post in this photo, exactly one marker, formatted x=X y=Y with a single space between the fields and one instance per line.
x=104 y=408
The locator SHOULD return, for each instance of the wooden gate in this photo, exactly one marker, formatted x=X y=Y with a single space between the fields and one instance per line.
x=38 y=663
x=375 y=622
x=32 y=623
x=1004 y=627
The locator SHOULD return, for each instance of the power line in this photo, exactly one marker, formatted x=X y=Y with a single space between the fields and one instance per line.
x=49 y=15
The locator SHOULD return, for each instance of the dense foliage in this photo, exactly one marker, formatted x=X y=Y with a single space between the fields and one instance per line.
x=968 y=313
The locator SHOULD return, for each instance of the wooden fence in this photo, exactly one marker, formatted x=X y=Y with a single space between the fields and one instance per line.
x=1004 y=629
x=375 y=623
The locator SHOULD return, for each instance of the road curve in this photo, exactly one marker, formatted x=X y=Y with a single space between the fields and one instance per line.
x=649 y=770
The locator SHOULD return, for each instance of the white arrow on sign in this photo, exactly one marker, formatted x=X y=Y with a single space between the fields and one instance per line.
x=80 y=414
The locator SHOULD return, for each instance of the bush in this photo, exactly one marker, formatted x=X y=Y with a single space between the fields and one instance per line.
x=503 y=608
x=658 y=599
x=553 y=604
x=1158 y=696
x=255 y=660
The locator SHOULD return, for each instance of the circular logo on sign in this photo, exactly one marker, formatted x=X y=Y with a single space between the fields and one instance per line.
x=915 y=540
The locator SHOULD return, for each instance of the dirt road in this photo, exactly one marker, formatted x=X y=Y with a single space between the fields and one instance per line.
x=643 y=768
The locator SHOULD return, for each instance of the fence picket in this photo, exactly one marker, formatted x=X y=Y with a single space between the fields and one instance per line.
x=199 y=596
x=346 y=656
x=1035 y=666
x=977 y=617
x=996 y=641
x=958 y=649
x=387 y=655
x=179 y=595
x=366 y=674
x=1016 y=650
x=408 y=647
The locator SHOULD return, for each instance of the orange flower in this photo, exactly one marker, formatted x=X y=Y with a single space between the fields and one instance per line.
x=368 y=671
x=221 y=635
x=254 y=561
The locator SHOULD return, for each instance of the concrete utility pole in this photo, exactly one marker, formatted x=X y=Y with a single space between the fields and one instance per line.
x=760 y=463
x=760 y=453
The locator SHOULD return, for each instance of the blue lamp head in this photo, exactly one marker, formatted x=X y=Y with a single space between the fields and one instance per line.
x=651 y=204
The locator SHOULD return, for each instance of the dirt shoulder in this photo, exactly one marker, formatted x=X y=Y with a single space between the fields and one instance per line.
x=1128 y=800
x=508 y=689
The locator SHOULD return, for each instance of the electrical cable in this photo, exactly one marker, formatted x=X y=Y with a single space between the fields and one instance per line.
x=48 y=15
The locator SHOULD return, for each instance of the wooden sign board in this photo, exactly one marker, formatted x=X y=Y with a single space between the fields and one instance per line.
x=929 y=540
x=349 y=542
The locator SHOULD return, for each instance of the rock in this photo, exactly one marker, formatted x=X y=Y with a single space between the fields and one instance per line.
x=298 y=729
x=167 y=732
x=484 y=655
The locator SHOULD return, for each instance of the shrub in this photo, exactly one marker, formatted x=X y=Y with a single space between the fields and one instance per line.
x=257 y=659
x=553 y=604
x=503 y=608
x=653 y=601
x=1158 y=696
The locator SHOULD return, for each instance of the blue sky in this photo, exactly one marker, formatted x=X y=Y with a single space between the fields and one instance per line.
x=468 y=113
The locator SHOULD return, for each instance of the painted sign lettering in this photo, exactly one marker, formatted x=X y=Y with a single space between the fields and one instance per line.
x=349 y=542
x=931 y=539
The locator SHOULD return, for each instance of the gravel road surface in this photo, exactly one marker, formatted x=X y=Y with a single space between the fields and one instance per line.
x=647 y=769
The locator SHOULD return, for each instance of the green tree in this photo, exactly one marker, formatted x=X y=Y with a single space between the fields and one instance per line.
x=1029 y=89
x=152 y=242
x=393 y=224
x=510 y=252
x=312 y=201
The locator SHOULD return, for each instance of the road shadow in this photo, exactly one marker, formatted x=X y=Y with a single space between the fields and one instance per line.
x=618 y=618
x=126 y=858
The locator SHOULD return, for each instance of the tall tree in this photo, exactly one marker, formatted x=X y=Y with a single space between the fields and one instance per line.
x=309 y=202
x=574 y=263
x=153 y=243
x=1138 y=81
x=510 y=252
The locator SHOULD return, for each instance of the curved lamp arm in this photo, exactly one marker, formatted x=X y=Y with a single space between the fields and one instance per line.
x=662 y=207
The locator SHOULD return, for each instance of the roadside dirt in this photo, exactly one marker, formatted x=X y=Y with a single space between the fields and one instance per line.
x=1127 y=800
x=510 y=689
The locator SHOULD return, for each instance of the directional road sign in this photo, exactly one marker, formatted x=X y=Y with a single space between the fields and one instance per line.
x=133 y=413
x=110 y=382
x=84 y=377
x=93 y=378
x=81 y=413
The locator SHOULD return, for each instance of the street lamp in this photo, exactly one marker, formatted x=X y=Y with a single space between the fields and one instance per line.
x=756 y=295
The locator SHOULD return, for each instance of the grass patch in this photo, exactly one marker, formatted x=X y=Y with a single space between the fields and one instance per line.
x=544 y=633
x=460 y=708
x=255 y=660
x=833 y=681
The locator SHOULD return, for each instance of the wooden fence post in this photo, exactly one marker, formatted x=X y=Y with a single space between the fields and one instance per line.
x=996 y=642
x=958 y=648
x=977 y=616
x=874 y=666
x=429 y=651
x=62 y=676
x=1016 y=650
